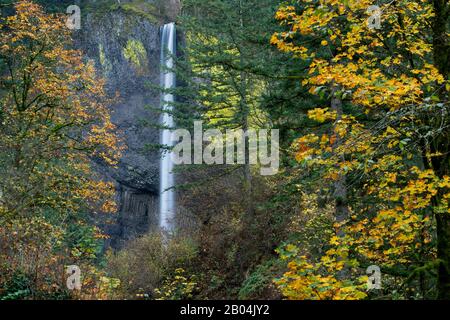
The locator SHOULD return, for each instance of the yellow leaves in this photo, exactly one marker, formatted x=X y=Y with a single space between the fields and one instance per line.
x=274 y=39
x=66 y=113
x=324 y=140
x=385 y=215
x=374 y=87
x=445 y=182
x=318 y=281
x=397 y=229
x=292 y=265
x=180 y=286
x=391 y=131
x=291 y=248
x=285 y=12
x=281 y=41
x=321 y=114
x=334 y=240
x=391 y=177
x=376 y=79
x=392 y=233
x=341 y=128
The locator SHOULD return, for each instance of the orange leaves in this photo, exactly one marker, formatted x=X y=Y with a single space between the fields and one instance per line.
x=59 y=119
x=303 y=147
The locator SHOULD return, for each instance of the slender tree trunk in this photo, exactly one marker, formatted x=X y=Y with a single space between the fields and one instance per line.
x=441 y=167
x=245 y=126
x=441 y=46
x=441 y=164
x=340 y=188
x=244 y=255
x=443 y=252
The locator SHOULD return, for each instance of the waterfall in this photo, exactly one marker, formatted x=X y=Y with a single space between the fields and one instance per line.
x=167 y=181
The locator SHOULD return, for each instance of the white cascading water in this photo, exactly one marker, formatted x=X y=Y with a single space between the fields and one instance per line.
x=167 y=181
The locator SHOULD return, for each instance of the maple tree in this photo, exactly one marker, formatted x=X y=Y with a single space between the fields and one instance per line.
x=54 y=121
x=388 y=141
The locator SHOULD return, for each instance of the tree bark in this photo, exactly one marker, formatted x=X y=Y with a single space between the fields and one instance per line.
x=248 y=186
x=441 y=46
x=441 y=164
x=340 y=188
x=443 y=252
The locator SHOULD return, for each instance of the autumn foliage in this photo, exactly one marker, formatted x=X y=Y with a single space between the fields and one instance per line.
x=54 y=121
x=386 y=142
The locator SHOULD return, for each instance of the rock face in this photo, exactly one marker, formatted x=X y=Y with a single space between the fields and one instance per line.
x=125 y=45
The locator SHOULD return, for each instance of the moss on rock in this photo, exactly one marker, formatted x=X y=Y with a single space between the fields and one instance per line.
x=135 y=52
x=141 y=8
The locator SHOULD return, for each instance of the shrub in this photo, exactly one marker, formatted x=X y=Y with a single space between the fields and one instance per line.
x=145 y=262
x=178 y=287
x=259 y=285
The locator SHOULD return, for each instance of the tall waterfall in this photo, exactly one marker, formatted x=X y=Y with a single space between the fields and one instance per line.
x=167 y=181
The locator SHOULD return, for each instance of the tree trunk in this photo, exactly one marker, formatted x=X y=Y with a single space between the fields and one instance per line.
x=443 y=252
x=340 y=188
x=441 y=46
x=248 y=187
x=441 y=164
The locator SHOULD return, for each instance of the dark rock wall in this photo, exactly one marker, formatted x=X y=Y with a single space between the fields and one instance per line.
x=126 y=49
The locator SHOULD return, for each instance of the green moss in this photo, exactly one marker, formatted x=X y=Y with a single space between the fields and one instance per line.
x=101 y=54
x=135 y=53
x=142 y=9
x=106 y=65
x=139 y=8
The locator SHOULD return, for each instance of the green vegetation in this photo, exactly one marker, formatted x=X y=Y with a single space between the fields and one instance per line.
x=135 y=53
x=152 y=11
x=141 y=8
x=149 y=263
x=48 y=135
